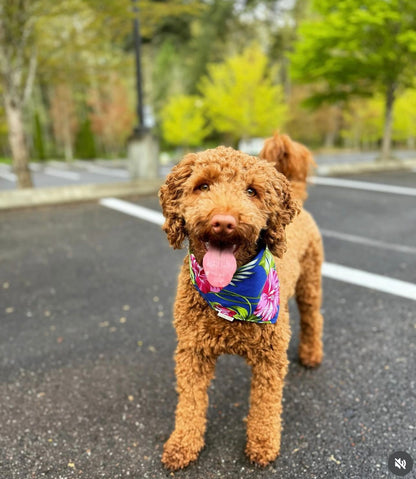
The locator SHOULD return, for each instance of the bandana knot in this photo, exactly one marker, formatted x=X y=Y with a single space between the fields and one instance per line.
x=253 y=294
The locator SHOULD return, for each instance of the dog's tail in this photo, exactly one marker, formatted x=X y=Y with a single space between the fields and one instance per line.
x=292 y=159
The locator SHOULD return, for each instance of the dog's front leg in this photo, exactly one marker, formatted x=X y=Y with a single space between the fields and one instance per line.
x=264 y=419
x=194 y=371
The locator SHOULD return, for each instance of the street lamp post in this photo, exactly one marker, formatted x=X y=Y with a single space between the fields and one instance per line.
x=137 y=51
x=142 y=148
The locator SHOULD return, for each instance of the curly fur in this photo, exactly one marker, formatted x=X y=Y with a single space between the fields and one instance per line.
x=270 y=217
x=290 y=158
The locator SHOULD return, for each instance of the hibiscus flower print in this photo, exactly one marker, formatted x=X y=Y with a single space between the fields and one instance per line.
x=270 y=298
x=201 y=278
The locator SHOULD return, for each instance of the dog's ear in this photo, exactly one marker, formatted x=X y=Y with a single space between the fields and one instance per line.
x=170 y=195
x=282 y=211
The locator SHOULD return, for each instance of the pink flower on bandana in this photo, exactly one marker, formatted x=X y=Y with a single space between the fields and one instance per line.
x=270 y=298
x=201 y=278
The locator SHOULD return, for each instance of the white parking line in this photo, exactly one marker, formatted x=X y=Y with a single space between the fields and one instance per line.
x=133 y=210
x=369 y=280
x=68 y=175
x=363 y=185
x=8 y=176
x=367 y=241
x=330 y=270
x=35 y=167
x=113 y=172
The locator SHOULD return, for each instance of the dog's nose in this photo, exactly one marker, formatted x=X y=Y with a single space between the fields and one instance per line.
x=223 y=224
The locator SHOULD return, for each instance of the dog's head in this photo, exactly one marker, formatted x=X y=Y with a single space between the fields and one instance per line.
x=289 y=157
x=292 y=159
x=227 y=200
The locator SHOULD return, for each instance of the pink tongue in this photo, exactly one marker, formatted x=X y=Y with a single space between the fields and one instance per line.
x=219 y=266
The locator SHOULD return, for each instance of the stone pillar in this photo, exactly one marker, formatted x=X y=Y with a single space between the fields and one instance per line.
x=143 y=156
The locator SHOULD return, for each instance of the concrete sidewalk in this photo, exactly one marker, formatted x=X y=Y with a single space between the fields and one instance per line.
x=73 y=193
x=368 y=166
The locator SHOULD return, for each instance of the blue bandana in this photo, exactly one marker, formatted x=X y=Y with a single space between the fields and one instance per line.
x=253 y=294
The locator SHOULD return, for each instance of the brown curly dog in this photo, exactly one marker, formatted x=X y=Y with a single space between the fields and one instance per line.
x=230 y=206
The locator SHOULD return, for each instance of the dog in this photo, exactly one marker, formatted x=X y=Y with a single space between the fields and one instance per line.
x=248 y=237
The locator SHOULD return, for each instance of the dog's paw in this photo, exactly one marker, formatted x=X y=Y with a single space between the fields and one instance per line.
x=261 y=455
x=310 y=358
x=179 y=451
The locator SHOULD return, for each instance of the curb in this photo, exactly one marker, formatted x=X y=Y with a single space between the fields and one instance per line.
x=12 y=199
x=365 y=167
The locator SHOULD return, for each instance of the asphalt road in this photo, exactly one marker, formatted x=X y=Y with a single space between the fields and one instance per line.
x=87 y=385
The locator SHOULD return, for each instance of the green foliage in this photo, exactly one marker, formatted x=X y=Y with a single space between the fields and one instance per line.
x=3 y=123
x=241 y=98
x=16 y=43
x=210 y=34
x=38 y=143
x=357 y=47
x=84 y=141
x=116 y=16
x=77 y=42
x=166 y=75
x=404 y=127
x=183 y=121
x=363 y=121
x=345 y=49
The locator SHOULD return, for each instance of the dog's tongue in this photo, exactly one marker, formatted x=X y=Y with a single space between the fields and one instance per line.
x=219 y=265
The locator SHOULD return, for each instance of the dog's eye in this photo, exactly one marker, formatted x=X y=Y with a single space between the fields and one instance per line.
x=251 y=192
x=203 y=187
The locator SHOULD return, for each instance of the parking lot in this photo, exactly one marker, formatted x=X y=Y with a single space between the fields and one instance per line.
x=87 y=381
x=59 y=173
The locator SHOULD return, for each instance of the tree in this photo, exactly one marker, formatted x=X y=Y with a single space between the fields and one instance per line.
x=17 y=72
x=241 y=98
x=64 y=120
x=183 y=121
x=38 y=143
x=283 y=34
x=112 y=115
x=313 y=127
x=359 y=48
x=19 y=64
x=33 y=39
x=207 y=43
x=363 y=122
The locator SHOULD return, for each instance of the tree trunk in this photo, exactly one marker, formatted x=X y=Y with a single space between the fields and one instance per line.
x=17 y=140
x=333 y=126
x=17 y=74
x=69 y=157
x=329 y=142
x=388 y=123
